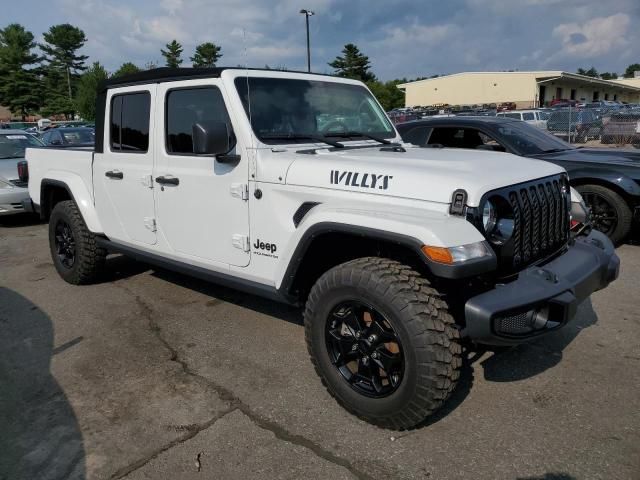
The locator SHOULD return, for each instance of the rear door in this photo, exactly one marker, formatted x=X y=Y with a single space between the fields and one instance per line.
x=122 y=173
x=204 y=213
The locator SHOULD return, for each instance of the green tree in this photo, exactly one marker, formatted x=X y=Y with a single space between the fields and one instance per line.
x=126 y=69
x=387 y=93
x=172 y=54
x=634 y=67
x=56 y=100
x=206 y=55
x=19 y=85
x=608 y=75
x=353 y=64
x=88 y=90
x=592 y=72
x=61 y=46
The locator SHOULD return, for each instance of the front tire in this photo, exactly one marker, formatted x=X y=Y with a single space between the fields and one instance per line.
x=74 y=250
x=382 y=341
x=610 y=213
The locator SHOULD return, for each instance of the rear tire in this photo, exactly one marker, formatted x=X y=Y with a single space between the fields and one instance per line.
x=600 y=199
x=428 y=341
x=74 y=250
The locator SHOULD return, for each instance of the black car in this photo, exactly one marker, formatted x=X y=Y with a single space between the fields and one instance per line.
x=607 y=179
x=69 y=136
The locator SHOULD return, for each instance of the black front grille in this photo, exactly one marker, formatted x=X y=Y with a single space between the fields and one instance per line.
x=541 y=219
x=19 y=183
x=540 y=210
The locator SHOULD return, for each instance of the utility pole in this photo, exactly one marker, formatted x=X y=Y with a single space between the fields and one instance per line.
x=307 y=14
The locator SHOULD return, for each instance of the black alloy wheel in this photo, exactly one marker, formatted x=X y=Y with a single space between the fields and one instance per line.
x=65 y=244
x=603 y=214
x=365 y=349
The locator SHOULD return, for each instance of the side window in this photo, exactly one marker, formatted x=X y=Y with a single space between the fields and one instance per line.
x=454 y=137
x=515 y=116
x=417 y=135
x=188 y=106
x=130 y=122
x=528 y=116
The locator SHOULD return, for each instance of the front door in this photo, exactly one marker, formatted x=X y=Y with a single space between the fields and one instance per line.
x=203 y=210
x=122 y=173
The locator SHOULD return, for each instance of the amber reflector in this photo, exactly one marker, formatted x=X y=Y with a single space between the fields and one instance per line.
x=438 y=254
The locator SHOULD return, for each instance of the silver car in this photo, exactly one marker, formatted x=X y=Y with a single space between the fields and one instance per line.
x=12 y=190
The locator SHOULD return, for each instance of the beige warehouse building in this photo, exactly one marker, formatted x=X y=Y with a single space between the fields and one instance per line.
x=525 y=89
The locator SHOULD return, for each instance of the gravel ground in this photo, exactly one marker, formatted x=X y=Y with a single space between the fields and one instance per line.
x=155 y=375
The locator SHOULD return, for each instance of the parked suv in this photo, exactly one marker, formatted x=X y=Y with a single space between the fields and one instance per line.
x=399 y=254
x=576 y=125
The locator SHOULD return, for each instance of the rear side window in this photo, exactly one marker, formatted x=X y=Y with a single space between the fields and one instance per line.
x=513 y=115
x=186 y=107
x=528 y=116
x=417 y=135
x=130 y=122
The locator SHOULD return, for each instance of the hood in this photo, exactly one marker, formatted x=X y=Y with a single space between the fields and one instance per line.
x=429 y=174
x=9 y=168
x=613 y=156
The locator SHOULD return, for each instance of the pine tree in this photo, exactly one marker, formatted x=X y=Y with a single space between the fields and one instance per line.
x=88 y=90
x=62 y=43
x=353 y=64
x=172 y=54
x=19 y=85
x=206 y=55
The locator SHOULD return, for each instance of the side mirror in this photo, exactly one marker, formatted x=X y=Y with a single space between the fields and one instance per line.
x=212 y=138
x=55 y=141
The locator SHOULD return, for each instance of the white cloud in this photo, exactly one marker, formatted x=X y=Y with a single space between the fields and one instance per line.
x=596 y=37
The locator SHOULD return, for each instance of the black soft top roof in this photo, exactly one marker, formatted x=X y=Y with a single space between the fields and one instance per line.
x=166 y=74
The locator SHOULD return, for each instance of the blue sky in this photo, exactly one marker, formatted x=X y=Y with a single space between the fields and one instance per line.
x=402 y=38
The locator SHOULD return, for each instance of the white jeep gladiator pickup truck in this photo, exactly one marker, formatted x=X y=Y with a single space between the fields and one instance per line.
x=297 y=187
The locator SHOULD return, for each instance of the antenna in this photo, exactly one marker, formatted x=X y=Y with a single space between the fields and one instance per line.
x=252 y=157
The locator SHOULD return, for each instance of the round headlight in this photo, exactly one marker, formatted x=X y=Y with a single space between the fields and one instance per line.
x=489 y=217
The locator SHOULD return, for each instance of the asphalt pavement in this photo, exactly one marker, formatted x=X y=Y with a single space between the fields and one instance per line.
x=154 y=375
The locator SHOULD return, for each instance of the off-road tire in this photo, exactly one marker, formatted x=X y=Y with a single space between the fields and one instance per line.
x=625 y=216
x=418 y=314
x=89 y=257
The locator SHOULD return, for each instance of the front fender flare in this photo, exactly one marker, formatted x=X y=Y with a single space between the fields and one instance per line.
x=584 y=175
x=78 y=191
x=402 y=227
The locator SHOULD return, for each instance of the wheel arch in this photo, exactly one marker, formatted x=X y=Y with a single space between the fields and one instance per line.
x=621 y=184
x=53 y=191
x=311 y=259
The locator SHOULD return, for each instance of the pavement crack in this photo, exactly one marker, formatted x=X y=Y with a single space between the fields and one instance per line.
x=235 y=403
x=191 y=432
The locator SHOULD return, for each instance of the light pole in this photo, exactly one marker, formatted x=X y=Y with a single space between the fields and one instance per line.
x=307 y=14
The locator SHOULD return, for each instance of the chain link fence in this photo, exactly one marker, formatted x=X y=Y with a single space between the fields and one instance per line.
x=606 y=126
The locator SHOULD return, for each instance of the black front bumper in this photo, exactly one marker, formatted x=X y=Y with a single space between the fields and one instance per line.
x=543 y=298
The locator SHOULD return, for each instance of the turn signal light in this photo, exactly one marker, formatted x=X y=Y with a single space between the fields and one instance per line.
x=438 y=254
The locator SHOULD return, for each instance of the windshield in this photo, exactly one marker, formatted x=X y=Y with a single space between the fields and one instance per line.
x=12 y=145
x=529 y=140
x=283 y=108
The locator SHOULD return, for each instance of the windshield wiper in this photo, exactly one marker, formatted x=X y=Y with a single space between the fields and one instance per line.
x=554 y=150
x=359 y=134
x=300 y=136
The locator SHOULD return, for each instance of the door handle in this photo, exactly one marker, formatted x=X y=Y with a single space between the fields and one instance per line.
x=114 y=174
x=168 y=180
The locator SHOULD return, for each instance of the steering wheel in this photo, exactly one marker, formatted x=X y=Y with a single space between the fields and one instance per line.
x=331 y=126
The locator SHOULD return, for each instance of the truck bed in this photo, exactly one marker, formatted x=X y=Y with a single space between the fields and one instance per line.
x=75 y=165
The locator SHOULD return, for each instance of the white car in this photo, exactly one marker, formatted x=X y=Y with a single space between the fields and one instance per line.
x=399 y=253
x=13 y=190
x=537 y=118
